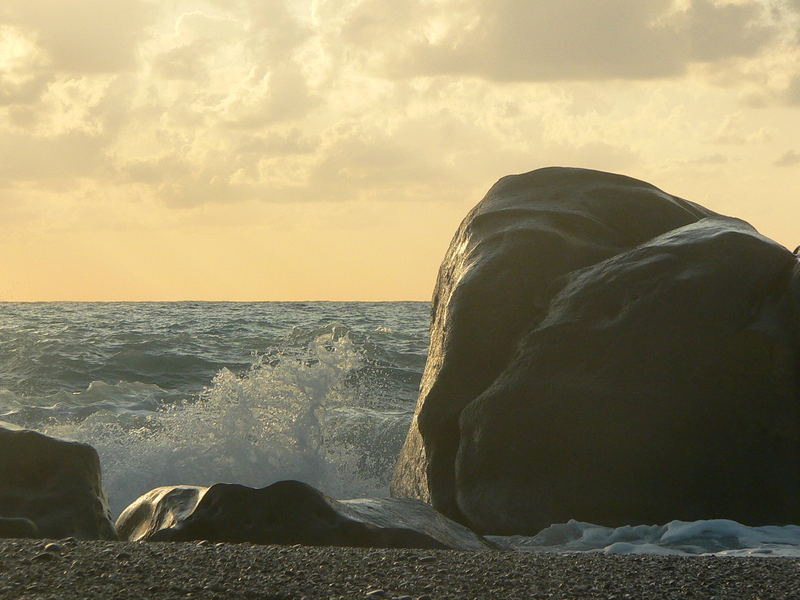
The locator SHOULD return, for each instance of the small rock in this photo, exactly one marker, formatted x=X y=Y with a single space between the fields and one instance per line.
x=53 y=547
x=123 y=556
x=44 y=556
x=427 y=559
x=376 y=594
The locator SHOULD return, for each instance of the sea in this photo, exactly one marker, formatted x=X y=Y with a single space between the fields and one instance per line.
x=256 y=392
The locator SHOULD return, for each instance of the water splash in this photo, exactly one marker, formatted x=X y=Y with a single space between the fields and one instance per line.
x=282 y=419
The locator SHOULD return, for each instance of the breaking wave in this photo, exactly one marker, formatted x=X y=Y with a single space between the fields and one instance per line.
x=287 y=417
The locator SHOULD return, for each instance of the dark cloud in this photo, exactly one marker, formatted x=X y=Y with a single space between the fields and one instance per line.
x=84 y=36
x=792 y=94
x=788 y=159
x=720 y=31
x=520 y=40
x=27 y=91
x=50 y=161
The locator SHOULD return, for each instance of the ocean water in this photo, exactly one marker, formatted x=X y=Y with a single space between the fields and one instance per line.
x=199 y=393
x=252 y=393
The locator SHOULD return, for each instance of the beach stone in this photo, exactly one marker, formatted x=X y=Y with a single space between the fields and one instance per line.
x=607 y=352
x=18 y=528
x=43 y=557
x=51 y=488
x=288 y=512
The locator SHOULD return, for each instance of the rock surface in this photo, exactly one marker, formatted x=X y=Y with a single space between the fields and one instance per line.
x=17 y=527
x=289 y=512
x=604 y=351
x=50 y=488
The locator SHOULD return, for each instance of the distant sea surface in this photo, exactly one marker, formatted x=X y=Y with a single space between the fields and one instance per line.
x=252 y=393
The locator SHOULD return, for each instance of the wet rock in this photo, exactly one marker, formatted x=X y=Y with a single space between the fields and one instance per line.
x=288 y=512
x=159 y=509
x=50 y=488
x=604 y=351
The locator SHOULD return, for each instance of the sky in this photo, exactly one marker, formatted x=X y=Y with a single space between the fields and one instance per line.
x=328 y=149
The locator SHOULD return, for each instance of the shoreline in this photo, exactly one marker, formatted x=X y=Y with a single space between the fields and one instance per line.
x=67 y=569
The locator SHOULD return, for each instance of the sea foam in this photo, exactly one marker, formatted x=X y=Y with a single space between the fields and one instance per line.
x=713 y=536
x=284 y=418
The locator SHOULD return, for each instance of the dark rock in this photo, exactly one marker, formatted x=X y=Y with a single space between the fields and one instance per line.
x=18 y=528
x=603 y=351
x=288 y=512
x=50 y=488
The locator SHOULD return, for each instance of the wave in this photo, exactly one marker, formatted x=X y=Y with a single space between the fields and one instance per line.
x=287 y=417
x=117 y=398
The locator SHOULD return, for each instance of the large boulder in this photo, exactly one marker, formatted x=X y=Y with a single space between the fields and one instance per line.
x=50 y=488
x=604 y=351
x=288 y=512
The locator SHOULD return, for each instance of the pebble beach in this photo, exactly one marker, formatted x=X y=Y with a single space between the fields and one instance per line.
x=67 y=569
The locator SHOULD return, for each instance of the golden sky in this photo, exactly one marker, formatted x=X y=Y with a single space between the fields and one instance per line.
x=328 y=149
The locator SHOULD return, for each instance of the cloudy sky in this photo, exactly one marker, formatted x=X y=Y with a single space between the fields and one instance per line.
x=328 y=149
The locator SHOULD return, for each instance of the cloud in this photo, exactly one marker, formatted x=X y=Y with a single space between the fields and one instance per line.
x=211 y=102
x=83 y=36
x=282 y=94
x=53 y=161
x=710 y=160
x=23 y=73
x=717 y=32
x=792 y=92
x=789 y=159
x=200 y=40
x=733 y=132
x=184 y=62
x=549 y=40
x=287 y=143
x=789 y=4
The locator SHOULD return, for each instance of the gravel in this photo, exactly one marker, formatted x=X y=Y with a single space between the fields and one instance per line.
x=65 y=569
